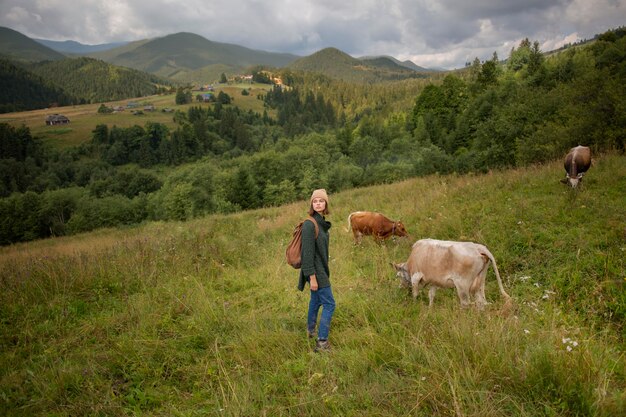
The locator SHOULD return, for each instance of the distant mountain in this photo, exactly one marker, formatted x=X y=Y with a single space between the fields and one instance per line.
x=18 y=47
x=407 y=64
x=181 y=55
x=73 y=47
x=22 y=90
x=94 y=81
x=109 y=54
x=337 y=64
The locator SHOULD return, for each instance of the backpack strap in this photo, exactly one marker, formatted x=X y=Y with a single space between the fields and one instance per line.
x=317 y=230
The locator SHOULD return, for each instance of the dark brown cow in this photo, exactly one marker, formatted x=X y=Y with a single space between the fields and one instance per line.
x=375 y=224
x=577 y=162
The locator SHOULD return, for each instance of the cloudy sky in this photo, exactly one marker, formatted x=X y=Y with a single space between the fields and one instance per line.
x=431 y=33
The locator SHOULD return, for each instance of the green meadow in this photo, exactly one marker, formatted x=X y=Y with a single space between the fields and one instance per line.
x=84 y=117
x=203 y=318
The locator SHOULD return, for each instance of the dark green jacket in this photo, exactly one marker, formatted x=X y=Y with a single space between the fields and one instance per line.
x=315 y=253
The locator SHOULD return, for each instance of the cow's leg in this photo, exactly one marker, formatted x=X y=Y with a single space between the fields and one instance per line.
x=431 y=295
x=481 y=300
x=463 y=290
x=415 y=283
x=464 y=297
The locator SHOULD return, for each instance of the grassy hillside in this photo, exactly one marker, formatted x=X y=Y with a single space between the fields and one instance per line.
x=18 y=47
x=203 y=318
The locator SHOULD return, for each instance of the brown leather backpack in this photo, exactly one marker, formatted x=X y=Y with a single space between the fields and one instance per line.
x=294 y=248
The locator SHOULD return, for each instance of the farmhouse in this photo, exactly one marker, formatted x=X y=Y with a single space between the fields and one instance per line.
x=56 y=119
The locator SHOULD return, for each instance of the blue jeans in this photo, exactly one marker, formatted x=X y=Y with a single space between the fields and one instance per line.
x=323 y=297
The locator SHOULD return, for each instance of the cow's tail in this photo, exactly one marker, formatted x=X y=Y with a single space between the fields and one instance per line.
x=350 y=221
x=488 y=254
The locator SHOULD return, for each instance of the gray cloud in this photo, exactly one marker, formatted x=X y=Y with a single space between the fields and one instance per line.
x=441 y=33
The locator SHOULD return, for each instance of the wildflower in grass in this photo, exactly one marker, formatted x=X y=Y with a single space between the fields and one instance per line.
x=570 y=344
x=526 y=331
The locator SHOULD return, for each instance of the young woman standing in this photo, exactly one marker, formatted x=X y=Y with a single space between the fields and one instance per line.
x=315 y=270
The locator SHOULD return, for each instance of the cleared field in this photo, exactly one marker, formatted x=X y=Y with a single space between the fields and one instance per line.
x=84 y=118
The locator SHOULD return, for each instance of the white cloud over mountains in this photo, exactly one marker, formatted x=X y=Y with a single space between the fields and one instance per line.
x=431 y=33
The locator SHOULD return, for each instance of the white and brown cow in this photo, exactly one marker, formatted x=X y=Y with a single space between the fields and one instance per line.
x=577 y=162
x=371 y=223
x=446 y=264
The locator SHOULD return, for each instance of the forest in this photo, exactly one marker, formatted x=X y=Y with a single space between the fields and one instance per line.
x=528 y=109
x=28 y=86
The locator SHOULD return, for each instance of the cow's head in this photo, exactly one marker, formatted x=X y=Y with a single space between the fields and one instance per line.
x=400 y=230
x=403 y=274
x=573 y=181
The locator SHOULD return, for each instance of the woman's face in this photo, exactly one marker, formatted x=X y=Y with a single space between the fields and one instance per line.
x=319 y=205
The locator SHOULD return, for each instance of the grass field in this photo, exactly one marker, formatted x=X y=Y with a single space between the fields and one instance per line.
x=84 y=118
x=203 y=317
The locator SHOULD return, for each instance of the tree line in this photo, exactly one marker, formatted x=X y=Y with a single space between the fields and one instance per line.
x=221 y=159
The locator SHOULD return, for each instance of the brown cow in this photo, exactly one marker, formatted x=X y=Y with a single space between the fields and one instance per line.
x=577 y=162
x=445 y=264
x=375 y=224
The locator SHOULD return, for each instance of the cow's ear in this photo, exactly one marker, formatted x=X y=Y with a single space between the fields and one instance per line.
x=399 y=267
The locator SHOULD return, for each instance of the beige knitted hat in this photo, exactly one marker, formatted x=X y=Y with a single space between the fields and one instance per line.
x=321 y=193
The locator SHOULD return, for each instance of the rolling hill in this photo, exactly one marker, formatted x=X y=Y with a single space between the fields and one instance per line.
x=180 y=55
x=337 y=64
x=92 y=80
x=22 y=90
x=18 y=47
x=406 y=64
x=35 y=76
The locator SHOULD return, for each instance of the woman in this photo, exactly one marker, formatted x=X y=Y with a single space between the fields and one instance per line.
x=315 y=270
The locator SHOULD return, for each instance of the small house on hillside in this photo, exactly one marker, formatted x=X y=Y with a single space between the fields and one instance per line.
x=56 y=119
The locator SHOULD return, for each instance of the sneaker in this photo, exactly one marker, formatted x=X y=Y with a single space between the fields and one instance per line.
x=322 y=346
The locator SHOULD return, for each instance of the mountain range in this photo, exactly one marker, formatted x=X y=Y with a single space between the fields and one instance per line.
x=187 y=57
x=79 y=73
x=77 y=48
